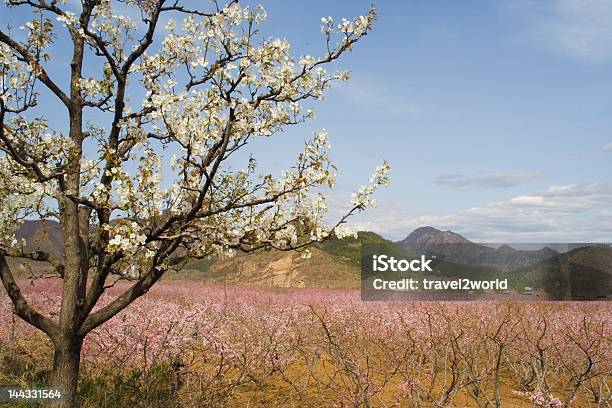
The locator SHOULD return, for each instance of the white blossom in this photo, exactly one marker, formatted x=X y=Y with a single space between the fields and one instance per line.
x=208 y=81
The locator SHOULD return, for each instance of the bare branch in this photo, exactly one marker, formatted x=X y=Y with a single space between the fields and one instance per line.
x=21 y=306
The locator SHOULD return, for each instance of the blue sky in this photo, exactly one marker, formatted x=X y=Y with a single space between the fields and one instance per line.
x=495 y=116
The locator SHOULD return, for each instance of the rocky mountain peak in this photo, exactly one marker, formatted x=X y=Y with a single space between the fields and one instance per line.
x=430 y=235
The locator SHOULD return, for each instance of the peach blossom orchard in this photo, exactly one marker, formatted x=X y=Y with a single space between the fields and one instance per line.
x=328 y=347
x=155 y=82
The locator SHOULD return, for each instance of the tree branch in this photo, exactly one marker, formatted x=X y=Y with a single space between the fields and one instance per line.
x=42 y=256
x=41 y=74
x=21 y=306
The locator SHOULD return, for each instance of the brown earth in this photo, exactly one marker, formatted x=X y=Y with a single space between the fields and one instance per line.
x=278 y=269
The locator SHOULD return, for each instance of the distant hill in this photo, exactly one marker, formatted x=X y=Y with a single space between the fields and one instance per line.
x=427 y=237
x=334 y=263
x=458 y=249
x=42 y=235
x=275 y=268
x=349 y=249
x=337 y=262
x=581 y=273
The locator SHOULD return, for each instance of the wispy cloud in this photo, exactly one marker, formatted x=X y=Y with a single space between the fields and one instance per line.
x=579 y=29
x=494 y=180
x=569 y=213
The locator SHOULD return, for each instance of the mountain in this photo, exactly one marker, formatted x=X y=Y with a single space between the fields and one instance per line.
x=458 y=249
x=581 y=273
x=276 y=269
x=335 y=263
x=426 y=237
x=42 y=235
x=349 y=249
x=39 y=236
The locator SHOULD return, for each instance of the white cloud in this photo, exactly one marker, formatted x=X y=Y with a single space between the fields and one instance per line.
x=570 y=213
x=579 y=29
x=496 y=180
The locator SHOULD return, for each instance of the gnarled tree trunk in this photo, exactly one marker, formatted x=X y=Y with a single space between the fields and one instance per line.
x=66 y=362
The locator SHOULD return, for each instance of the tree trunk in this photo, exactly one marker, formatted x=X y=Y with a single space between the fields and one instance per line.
x=66 y=361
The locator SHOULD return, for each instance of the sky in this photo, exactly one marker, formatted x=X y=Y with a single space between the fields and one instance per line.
x=496 y=117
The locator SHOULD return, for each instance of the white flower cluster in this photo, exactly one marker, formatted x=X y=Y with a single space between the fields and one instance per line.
x=357 y=27
x=327 y=25
x=19 y=198
x=349 y=29
x=91 y=87
x=363 y=197
x=15 y=77
x=115 y=29
x=125 y=237
x=68 y=19
x=39 y=33
x=381 y=175
x=35 y=138
x=343 y=231
x=322 y=139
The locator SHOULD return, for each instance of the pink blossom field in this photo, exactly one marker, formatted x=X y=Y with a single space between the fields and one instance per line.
x=226 y=346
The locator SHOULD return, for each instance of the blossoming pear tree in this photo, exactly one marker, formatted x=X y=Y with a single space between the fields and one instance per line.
x=154 y=87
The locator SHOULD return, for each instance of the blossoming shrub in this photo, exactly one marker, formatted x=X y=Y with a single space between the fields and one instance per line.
x=192 y=345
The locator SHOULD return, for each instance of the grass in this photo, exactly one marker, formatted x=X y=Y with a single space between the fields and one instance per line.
x=349 y=249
